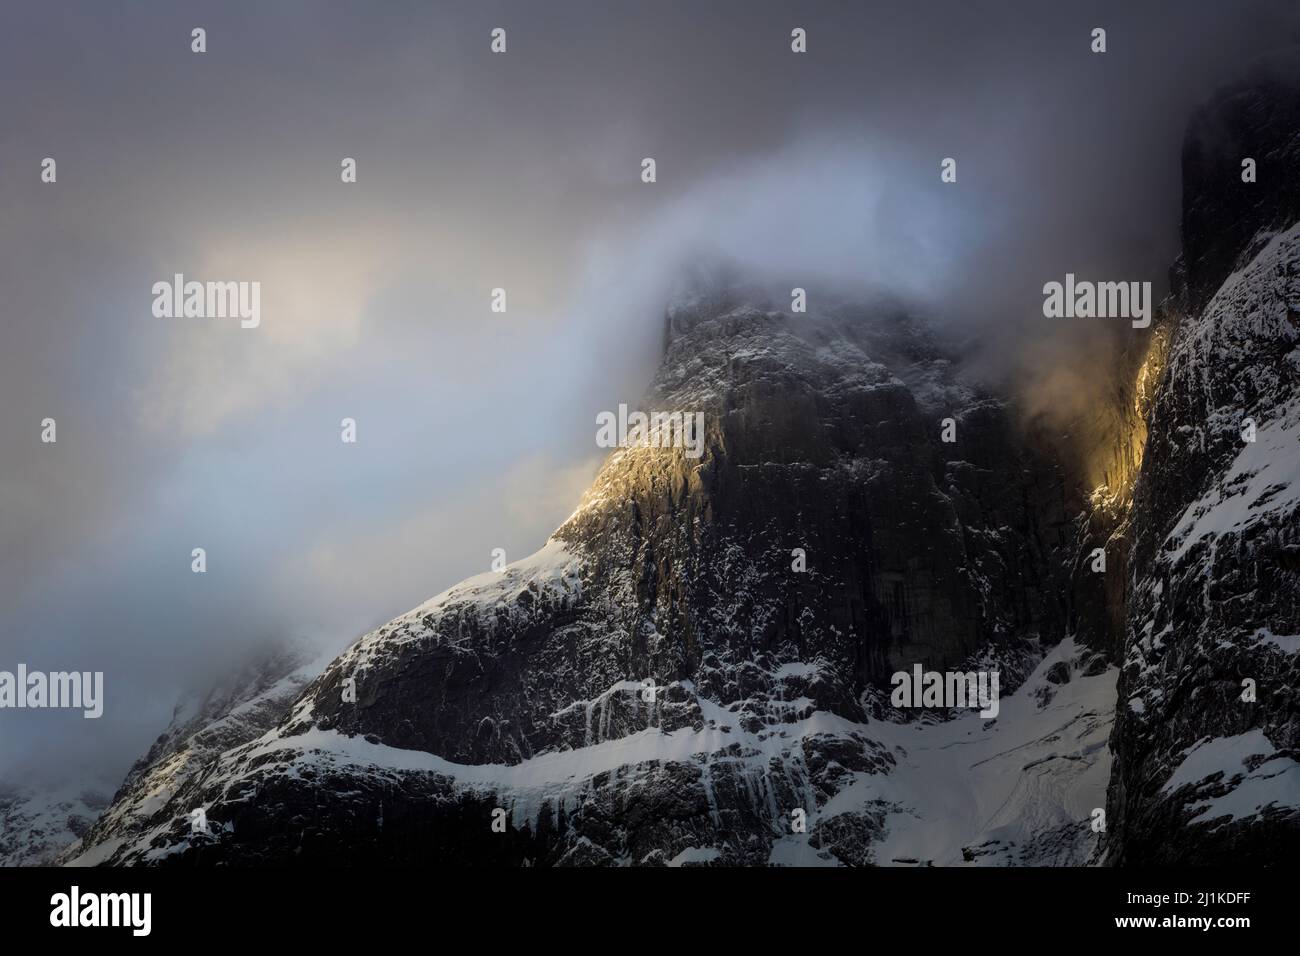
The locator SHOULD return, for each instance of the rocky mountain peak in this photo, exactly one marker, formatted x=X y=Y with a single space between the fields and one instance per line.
x=702 y=654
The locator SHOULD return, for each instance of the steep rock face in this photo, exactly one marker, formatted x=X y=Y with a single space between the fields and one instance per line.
x=1099 y=599
x=661 y=684
x=824 y=435
x=1201 y=774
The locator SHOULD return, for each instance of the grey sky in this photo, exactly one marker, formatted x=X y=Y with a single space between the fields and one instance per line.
x=475 y=171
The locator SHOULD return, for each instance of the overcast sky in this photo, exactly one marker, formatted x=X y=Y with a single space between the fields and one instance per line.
x=476 y=430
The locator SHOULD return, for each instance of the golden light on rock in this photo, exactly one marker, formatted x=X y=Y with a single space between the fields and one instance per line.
x=1115 y=463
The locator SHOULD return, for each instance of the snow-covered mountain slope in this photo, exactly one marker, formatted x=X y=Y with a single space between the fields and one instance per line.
x=1207 y=734
x=1016 y=791
x=36 y=824
x=240 y=708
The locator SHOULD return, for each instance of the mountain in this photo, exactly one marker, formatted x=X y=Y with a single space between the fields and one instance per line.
x=528 y=690
x=245 y=704
x=696 y=667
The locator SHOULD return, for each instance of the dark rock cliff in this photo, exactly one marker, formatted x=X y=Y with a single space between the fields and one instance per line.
x=1204 y=771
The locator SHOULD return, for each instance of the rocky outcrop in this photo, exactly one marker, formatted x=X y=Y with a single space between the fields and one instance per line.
x=1208 y=722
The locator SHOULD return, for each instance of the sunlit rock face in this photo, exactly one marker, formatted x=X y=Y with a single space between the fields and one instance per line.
x=824 y=435
x=1114 y=442
x=1203 y=775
